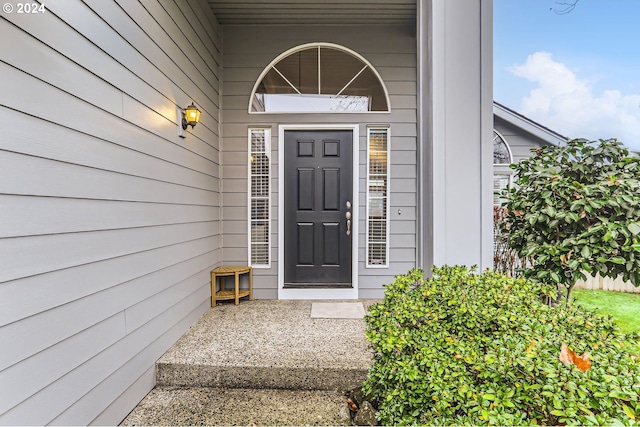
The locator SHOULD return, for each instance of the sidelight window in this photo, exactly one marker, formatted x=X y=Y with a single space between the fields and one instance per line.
x=377 y=197
x=259 y=196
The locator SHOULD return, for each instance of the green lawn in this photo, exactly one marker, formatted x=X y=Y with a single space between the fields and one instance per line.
x=623 y=307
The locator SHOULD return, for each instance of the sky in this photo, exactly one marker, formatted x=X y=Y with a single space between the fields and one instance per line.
x=576 y=73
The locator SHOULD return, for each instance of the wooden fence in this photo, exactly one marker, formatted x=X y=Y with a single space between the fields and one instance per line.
x=607 y=284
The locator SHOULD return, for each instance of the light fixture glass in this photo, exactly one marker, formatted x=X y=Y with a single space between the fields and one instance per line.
x=191 y=116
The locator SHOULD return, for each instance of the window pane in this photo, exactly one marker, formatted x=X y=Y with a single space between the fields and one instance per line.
x=368 y=85
x=259 y=209
x=293 y=102
x=260 y=186
x=378 y=231
x=337 y=68
x=273 y=82
x=259 y=231
x=301 y=69
x=259 y=254
x=377 y=254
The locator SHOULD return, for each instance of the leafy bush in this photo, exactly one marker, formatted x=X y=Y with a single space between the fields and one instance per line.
x=462 y=348
x=576 y=208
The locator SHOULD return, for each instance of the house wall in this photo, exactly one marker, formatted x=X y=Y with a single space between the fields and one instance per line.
x=392 y=51
x=109 y=222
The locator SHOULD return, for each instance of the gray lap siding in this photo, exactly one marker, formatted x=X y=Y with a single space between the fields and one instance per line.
x=109 y=222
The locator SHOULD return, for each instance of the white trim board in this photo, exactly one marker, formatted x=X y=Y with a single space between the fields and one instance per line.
x=319 y=293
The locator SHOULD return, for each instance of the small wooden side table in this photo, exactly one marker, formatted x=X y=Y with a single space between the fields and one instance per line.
x=236 y=293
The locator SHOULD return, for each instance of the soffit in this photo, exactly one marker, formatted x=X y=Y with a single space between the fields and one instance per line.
x=314 y=12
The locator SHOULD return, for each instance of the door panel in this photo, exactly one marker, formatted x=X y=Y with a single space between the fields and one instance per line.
x=331 y=255
x=331 y=189
x=306 y=189
x=318 y=184
x=305 y=244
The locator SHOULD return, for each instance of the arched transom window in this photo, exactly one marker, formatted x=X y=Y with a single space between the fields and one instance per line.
x=501 y=150
x=319 y=77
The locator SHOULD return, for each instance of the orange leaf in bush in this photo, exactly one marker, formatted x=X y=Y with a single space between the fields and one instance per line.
x=352 y=405
x=570 y=357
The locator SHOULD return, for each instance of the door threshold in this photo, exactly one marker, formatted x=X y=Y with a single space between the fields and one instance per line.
x=318 y=286
x=316 y=293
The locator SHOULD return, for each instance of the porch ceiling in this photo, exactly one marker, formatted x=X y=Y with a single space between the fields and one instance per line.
x=314 y=12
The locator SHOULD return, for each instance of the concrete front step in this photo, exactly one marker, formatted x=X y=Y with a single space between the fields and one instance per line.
x=231 y=407
x=261 y=363
x=270 y=345
x=265 y=377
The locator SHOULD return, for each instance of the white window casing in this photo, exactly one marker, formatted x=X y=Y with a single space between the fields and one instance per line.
x=377 y=200
x=259 y=197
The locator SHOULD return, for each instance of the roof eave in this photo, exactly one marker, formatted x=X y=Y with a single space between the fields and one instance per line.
x=528 y=125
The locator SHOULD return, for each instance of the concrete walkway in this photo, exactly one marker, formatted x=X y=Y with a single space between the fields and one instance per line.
x=261 y=363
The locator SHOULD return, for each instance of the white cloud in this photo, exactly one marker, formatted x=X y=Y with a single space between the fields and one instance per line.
x=568 y=105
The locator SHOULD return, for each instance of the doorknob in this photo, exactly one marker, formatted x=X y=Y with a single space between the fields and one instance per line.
x=348 y=216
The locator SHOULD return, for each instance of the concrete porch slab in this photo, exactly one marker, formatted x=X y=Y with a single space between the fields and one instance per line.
x=269 y=344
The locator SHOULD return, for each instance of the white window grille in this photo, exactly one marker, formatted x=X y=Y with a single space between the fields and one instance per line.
x=259 y=196
x=377 y=197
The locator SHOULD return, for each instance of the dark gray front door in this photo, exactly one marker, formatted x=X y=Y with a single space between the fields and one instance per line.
x=318 y=191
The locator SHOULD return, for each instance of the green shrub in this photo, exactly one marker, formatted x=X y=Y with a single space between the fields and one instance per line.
x=575 y=208
x=462 y=348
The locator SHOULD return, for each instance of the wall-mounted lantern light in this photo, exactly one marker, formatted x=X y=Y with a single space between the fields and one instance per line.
x=190 y=117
